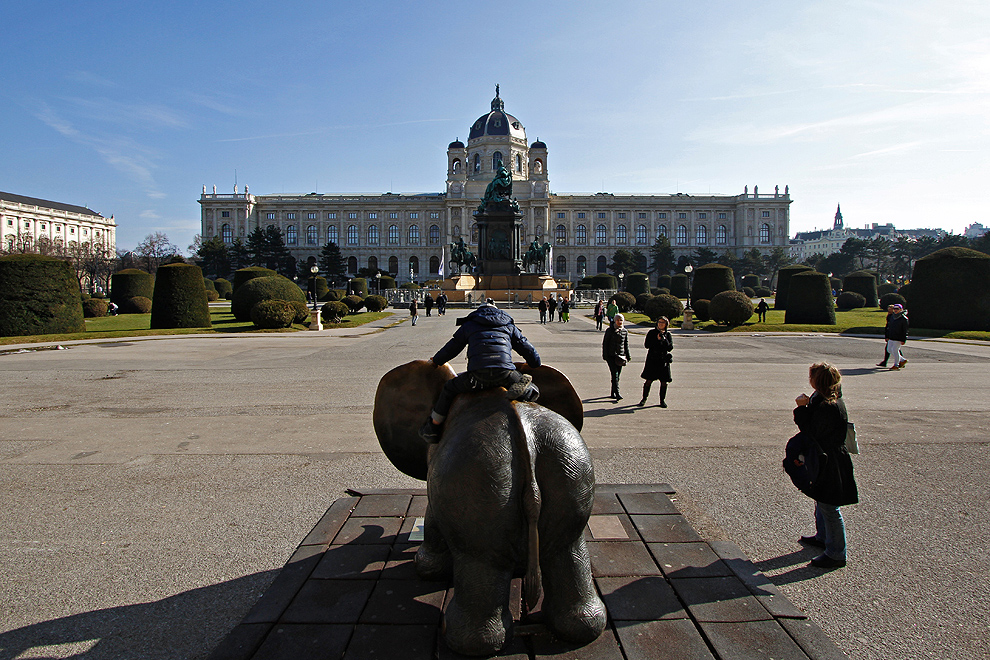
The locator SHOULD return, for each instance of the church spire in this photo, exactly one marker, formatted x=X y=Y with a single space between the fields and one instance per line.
x=838 y=217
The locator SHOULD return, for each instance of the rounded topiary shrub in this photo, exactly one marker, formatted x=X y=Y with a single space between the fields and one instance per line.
x=711 y=280
x=810 y=299
x=663 y=282
x=731 y=308
x=637 y=283
x=888 y=299
x=749 y=291
x=333 y=311
x=129 y=283
x=752 y=281
x=762 y=292
x=863 y=283
x=359 y=286
x=321 y=287
x=850 y=300
x=700 y=308
x=602 y=281
x=244 y=275
x=136 y=305
x=253 y=291
x=94 y=308
x=301 y=312
x=624 y=300
x=386 y=282
x=950 y=290
x=330 y=295
x=904 y=290
x=272 y=314
x=180 y=298
x=642 y=299
x=212 y=296
x=409 y=286
x=664 y=305
x=208 y=284
x=835 y=283
x=783 y=283
x=886 y=288
x=354 y=303
x=38 y=296
x=224 y=287
x=375 y=303
x=661 y=290
x=679 y=285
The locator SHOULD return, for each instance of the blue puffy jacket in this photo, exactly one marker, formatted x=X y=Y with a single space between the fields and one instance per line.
x=490 y=336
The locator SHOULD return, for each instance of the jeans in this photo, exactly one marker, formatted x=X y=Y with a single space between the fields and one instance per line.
x=830 y=528
x=615 y=369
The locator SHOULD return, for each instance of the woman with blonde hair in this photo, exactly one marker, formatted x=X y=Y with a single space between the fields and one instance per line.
x=822 y=419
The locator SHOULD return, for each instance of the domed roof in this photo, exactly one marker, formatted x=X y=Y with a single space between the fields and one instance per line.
x=456 y=144
x=538 y=145
x=497 y=122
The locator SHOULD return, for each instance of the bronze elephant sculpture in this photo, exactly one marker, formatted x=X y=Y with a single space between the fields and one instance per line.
x=510 y=487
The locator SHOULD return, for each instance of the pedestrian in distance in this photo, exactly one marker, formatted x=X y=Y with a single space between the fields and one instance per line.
x=441 y=304
x=615 y=351
x=543 y=306
x=896 y=333
x=823 y=424
x=599 y=314
x=551 y=307
x=565 y=310
x=761 y=310
x=611 y=310
x=428 y=303
x=414 y=311
x=659 y=344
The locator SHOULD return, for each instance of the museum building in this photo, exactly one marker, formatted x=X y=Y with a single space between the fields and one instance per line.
x=409 y=235
x=27 y=224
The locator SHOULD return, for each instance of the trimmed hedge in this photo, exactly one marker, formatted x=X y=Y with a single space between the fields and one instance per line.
x=700 y=308
x=637 y=283
x=131 y=282
x=375 y=303
x=244 y=275
x=888 y=299
x=731 y=308
x=38 y=296
x=663 y=282
x=711 y=280
x=223 y=287
x=850 y=300
x=783 y=283
x=333 y=311
x=301 y=312
x=330 y=295
x=810 y=299
x=321 y=287
x=602 y=281
x=642 y=299
x=253 y=291
x=94 y=308
x=664 y=305
x=624 y=300
x=865 y=284
x=273 y=314
x=212 y=296
x=180 y=298
x=762 y=292
x=886 y=288
x=950 y=290
x=752 y=281
x=354 y=303
x=679 y=285
x=749 y=291
x=359 y=286
x=136 y=305
x=208 y=283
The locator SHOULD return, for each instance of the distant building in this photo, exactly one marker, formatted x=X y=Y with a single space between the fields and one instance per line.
x=29 y=224
x=405 y=234
x=975 y=230
x=829 y=241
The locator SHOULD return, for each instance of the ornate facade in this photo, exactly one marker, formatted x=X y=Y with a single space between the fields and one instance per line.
x=406 y=234
x=26 y=224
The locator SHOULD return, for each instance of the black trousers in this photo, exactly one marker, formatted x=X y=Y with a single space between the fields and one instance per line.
x=472 y=381
x=615 y=369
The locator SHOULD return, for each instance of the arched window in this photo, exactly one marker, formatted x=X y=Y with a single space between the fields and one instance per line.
x=413 y=234
x=680 y=237
x=701 y=235
x=352 y=265
x=620 y=235
x=332 y=234
x=393 y=266
x=474 y=233
x=373 y=264
x=765 y=233
x=582 y=266
x=601 y=265
x=518 y=163
x=496 y=160
x=414 y=265
x=560 y=235
x=456 y=167
x=601 y=235
x=721 y=235
x=393 y=234
x=312 y=235
x=477 y=163
x=538 y=166
x=227 y=234
x=373 y=235
x=434 y=235
x=661 y=231
x=581 y=235
x=352 y=236
x=561 y=266
x=641 y=235
x=434 y=265
x=290 y=235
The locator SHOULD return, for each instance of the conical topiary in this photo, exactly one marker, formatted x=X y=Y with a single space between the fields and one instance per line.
x=865 y=284
x=809 y=299
x=711 y=280
x=130 y=282
x=38 y=296
x=950 y=290
x=783 y=281
x=180 y=298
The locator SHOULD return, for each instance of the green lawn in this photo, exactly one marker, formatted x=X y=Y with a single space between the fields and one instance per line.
x=139 y=325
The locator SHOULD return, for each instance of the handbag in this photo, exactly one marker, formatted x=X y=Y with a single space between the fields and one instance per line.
x=804 y=461
x=851 y=445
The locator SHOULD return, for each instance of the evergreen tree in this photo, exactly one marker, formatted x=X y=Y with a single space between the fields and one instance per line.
x=332 y=263
x=752 y=262
x=214 y=257
x=776 y=259
x=703 y=255
x=623 y=261
x=238 y=255
x=661 y=256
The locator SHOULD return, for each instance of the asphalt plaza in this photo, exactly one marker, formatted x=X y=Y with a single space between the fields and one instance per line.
x=153 y=488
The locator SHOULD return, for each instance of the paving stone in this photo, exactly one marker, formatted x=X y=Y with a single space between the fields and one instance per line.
x=405 y=602
x=331 y=522
x=294 y=641
x=286 y=585
x=606 y=502
x=616 y=558
x=647 y=503
x=752 y=640
x=373 y=506
x=638 y=488
x=368 y=530
x=610 y=527
x=352 y=562
x=684 y=560
x=401 y=562
x=409 y=642
x=719 y=599
x=241 y=642
x=665 y=529
x=766 y=591
x=640 y=598
x=514 y=650
x=329 y=601
x=417 y=507
x=813 y=640
x=662 y=640
x=606 y=647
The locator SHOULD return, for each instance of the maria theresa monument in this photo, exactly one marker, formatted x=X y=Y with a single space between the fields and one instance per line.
x=409 y=234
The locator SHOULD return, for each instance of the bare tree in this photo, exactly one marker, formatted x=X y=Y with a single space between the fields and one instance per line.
x=154 y=250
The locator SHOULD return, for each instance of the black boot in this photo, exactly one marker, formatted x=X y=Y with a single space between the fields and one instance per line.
x=646 y=393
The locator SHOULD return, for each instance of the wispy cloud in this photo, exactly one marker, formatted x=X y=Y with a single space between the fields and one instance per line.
x=328 y=129
x=144 y=115
x=90 y=78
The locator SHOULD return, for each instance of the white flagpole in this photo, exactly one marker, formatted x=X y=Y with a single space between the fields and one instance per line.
x=443 y=260
x=550 y=265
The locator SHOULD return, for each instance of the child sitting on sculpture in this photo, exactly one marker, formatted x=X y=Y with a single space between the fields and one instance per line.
x=490 y=336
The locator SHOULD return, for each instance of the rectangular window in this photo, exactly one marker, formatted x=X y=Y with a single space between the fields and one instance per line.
x=393 y=216
x=311 y=216
x=601 y=216
x=290 y=216
x=702 y=216
x=721 y=216
x=413 y=216
x=766 y=214
x=271 y=216
x=372 y=216
x=642 y=216
x=581 y=216
x=434 y=215
x=10 y=223
x=560 y=215
x=72 y=230
x=662 y=216
x=42 y=225
x=224 y=214
x=681 y=216
x=352 y=216
x=622 y=216
x=331 y=216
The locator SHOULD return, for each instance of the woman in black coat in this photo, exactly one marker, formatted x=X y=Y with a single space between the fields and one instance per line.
x=822 y=416
x=659 y=344
x=615 y=351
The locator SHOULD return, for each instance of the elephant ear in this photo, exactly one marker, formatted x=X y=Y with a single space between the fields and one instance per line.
x=556 y=393
x=403 y=401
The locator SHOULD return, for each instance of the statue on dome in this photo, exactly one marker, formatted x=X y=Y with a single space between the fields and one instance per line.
x=499 y=191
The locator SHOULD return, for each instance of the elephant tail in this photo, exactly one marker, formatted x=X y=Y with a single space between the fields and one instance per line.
x=531 y=502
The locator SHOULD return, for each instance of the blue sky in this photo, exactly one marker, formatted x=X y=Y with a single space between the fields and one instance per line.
x=130 y=108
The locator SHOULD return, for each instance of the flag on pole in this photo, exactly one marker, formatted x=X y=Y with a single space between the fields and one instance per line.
x=550 y=260
x=443 y=260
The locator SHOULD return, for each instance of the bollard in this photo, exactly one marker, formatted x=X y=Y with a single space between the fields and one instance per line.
x=688 y=321
x=315 y=323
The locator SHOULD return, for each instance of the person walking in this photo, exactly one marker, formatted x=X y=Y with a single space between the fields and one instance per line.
x=822 y=418
x=896 y=332
x=611 y=310
x=615 y=351
x=659 y=344
x=428 y=303
x=599 y=314
x=441 y=304
x=552 y=306
x=543 y=310
x=761 y=310
x=414 y=311
x=565 y=310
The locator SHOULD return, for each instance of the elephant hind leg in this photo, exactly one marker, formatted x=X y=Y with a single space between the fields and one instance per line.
x=571 y=606
x=478 y=619
x=433 y=558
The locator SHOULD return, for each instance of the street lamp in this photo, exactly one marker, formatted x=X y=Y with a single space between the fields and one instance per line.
x=688 y=270
x=687 y=321
x=313 y=272
x=378 y=281
x=622 y=277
